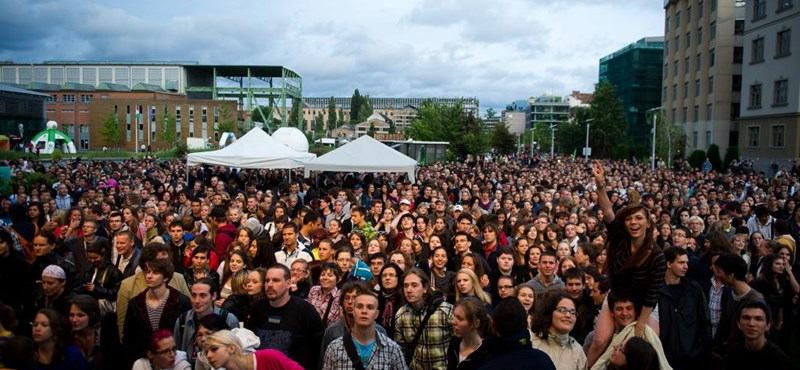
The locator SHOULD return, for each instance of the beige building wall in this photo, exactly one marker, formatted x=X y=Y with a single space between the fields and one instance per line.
x=699 y=90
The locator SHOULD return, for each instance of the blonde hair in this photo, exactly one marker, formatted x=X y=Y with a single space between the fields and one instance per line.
x=225 y=338
x=238 y=280
x=476 y=286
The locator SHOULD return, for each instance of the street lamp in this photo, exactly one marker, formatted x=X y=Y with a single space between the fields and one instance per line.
x=586 y=150
x=552 y=140
x=653 y=157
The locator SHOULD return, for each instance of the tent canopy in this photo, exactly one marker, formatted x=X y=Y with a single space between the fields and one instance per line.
x=256 y=149
x=364 y=154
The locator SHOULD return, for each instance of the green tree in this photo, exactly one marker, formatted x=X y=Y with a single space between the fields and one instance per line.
x=341 y=117
x=332 y=123
x=730 y=154
x=355 y=107
x=371 y=130
x=714 y=157
x=439 y=122
x=294 y=119
x=227 y=120
x=366 y=109
x=503 y=141
x=490 y=113
x=608 y=129
x=168 y=135
x=697 y=158
x=111 y=131
x=669 y=139
x=319 y=122
x=570 y=138
x=392 y=127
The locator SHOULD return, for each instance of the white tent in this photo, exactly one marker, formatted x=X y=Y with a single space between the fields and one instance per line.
x=364 y=154
x=256 y=149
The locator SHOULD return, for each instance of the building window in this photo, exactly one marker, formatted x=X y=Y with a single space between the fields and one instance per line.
x=666 y=25
x=666 y=49
x=738 y=27
x=708 y=137
x=694 y=139
x=178 y=121
x=700 y=10
x=688 y=40
x=711 y=85
x=666 y=70
x=685 y=90
x=677 y=20
x=757 y=52
x=697 y=87
x=738 y=54
x=675 y=68
x=759 y=9
x=52 y=98
x=713 y=5
x=68 y=98
x=685 y=114
x=781 y=92
x=784 y=4
x=737 y=83
x=778 y=136
x=674 y=91
x=699 y=35
x=677 y=43
x=688 y=15
x=686 y=64
x=753 y=133
x=711 y=57
x=709 y=111
x=755 y=96
x=85 y=98
x=697 y=113
x=735 y=108
x=664 y=94
x=712 y=30
x=783 y=47
x=699 y=61
x=673 y=115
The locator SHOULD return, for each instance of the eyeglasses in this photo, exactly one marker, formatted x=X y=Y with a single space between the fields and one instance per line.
x=165 y=351
x=564 y=311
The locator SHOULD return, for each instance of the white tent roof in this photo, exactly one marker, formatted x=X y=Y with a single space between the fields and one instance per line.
x=364 y=154
x=256 y=149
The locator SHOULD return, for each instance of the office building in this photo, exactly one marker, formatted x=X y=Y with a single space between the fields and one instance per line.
x=702 y=71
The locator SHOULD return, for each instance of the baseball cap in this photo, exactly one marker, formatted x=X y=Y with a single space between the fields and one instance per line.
x=406 y=202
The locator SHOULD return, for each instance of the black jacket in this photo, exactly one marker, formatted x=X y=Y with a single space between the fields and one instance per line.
x=684 y=320
x=137 y=325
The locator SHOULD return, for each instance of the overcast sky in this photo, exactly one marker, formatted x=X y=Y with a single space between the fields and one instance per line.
x=498 y=51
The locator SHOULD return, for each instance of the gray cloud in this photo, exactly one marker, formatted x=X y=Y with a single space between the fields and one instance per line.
x=497 y=52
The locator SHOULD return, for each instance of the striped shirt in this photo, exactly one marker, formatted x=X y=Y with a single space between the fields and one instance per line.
x=641 y=282
x=154 y=314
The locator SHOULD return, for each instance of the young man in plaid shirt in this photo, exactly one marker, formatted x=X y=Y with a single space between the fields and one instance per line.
x=430 y=352
x=365 y=347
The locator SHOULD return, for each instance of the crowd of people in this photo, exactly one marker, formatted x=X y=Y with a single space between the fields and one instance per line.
x=551 y=263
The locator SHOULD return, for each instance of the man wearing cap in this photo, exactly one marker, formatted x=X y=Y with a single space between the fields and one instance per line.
x=55 y=294
x=440 y=210
x=225 y=231
x=402 y=226
x=363 y=199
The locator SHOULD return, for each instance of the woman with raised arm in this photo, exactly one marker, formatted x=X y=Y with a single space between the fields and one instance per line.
x=635 y=264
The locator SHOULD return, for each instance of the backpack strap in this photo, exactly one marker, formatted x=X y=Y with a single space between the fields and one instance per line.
x=433 y=306
x=352 y=353
x=327 y=311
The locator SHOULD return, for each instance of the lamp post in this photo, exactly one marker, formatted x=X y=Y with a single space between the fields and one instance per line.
x=552 y=140
x=653 y=157
x=533 y=134
x=586 y=148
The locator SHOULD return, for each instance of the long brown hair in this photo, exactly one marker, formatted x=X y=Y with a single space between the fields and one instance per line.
x=649 y=245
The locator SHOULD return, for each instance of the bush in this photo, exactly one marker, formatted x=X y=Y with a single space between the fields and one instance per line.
x=730 y=154
x=697 y=158
x=714 y=157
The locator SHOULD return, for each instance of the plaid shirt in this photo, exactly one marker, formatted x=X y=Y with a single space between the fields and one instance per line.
x=386 y=355
x=431 y=351
x=715 y=305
